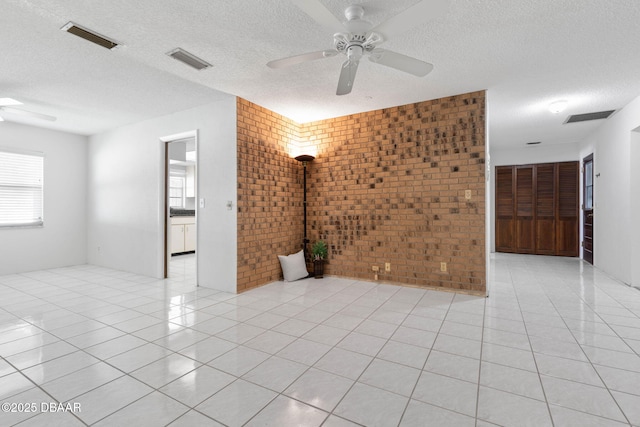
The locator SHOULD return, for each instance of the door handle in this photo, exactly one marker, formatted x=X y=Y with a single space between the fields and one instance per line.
x=590 y=215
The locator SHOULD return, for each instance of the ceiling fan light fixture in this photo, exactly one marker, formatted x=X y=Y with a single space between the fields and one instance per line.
x=558 y=107
x=360 y=39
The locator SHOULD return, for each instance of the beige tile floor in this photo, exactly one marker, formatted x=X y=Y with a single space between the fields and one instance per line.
x=556 y=343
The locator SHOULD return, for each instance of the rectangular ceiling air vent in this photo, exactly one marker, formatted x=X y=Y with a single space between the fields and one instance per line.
x=576 y=118
x=189 y=59
x=89 y=35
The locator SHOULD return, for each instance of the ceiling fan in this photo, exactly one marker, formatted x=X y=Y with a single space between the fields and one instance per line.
x=6 y=106
x=357 y=38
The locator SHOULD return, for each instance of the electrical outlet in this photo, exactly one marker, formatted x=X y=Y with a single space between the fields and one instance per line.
x=467 y=194
x=375 y=268
x=443 y=266
x=387 y=267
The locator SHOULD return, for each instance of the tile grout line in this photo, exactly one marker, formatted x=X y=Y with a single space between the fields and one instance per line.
x=524 y=322
x=329 y=413
x=544 y=288
x=480 y=360
x=589 y=359
x=427 y=358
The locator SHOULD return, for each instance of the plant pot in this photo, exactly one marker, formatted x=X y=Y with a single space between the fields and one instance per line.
x=318 y=268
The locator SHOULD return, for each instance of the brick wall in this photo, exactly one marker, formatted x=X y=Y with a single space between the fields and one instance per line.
x=387 y=186
x=269 y=194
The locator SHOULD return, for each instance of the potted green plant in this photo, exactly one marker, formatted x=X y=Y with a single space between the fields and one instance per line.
x=319 y=254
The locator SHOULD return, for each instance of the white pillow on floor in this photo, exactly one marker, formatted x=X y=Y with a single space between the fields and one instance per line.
x=293 y=266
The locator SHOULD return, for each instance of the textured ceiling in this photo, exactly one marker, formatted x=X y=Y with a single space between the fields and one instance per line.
x=526 y=53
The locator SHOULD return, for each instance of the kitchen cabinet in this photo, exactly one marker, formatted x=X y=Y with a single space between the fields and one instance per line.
x=177 y=238
x=190 y=237
x=183 y=234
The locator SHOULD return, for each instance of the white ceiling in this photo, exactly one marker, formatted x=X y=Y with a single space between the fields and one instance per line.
x=526 y=53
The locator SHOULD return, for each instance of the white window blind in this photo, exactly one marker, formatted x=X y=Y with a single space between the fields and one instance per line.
x=21 y=188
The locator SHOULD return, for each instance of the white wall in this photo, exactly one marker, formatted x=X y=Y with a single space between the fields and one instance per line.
x=635 y=207
x=525 y=156
x=62 y=240
x=613 y=225
x=126 y=182
x=536 y=154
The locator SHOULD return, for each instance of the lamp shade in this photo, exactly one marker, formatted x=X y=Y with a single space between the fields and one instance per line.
x=304 y=157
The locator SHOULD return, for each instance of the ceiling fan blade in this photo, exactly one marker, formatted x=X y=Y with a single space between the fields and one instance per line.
x=412 y=17
x=320 y=14
x=401 y=62
x=28 y=114
x=347 y=77
x=298 y=59
x=9 y=101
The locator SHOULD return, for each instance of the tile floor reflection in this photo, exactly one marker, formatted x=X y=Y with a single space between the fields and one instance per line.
x=556 y=343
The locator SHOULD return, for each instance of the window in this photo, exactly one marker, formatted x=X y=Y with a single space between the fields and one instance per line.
x=176 y=192
x=21 y=188
x=588 y=185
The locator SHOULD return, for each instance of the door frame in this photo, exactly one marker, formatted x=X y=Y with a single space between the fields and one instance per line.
x=165 y=141
x=588 y=214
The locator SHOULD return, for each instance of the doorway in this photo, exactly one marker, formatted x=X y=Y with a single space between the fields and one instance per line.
x=587 y=209
x=180 y=207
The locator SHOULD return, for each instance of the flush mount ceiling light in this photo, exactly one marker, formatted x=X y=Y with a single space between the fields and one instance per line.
x=557 y=107
x=189 y=59
x=89 y=35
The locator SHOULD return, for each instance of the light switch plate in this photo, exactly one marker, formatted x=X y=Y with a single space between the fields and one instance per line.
x=202 y=203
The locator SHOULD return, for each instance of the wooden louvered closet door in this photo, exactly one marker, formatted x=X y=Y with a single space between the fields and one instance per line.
x=505 y=214
x=545 y=209
x=567 y=221
x=537 y=209
x=525 y=236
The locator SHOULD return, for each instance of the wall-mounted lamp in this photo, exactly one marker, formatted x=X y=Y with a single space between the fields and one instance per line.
x=558 y=107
